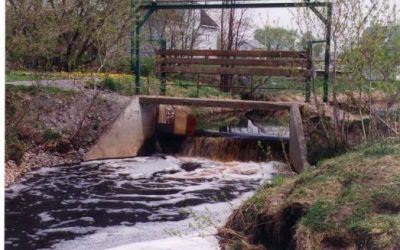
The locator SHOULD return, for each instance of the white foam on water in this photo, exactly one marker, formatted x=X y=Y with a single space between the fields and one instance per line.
x=44 y=217
x=173 y=243
x=196 y=232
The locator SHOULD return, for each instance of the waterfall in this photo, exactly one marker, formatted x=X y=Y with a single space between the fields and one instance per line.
x=232 y=149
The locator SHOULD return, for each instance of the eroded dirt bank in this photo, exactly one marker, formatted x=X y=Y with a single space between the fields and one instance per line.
x=348 y=202
x=48 y=126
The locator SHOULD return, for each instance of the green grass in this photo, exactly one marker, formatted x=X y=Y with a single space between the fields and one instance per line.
x=14 y=146
x=13 y=76
x=34 y=89
x=354 y=197
x=317 y=214
x=276 y=181
x=381 y=148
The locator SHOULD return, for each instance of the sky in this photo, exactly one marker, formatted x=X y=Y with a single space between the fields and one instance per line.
x=282 y=17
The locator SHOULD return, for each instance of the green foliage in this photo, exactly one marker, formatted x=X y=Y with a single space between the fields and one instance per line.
x=44 y=36
x=36 y=89
x=50 y=134
x=382 y=148
x=276 y=38
x=276 y=181
x=15 y=148
x=238 y=245
x=110 y=84
x=12 y=76
x=374 y=62
x=358 y=222
x=317 y=47
x=123 y=86
x=316 y=216
x=147 y=66
x=388 y=199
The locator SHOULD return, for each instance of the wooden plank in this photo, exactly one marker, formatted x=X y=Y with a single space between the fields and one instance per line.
x=235 y=71
x=234 y=104
x=242 y=62
x=234 y=53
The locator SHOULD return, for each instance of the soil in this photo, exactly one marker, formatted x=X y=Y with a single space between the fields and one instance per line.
x=48 y=127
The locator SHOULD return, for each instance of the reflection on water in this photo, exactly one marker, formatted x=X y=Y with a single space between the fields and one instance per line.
x=83 y=206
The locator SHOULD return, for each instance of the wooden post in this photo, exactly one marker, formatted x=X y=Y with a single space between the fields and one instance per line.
x=198 y=84
x=163 y=75
x=251 y=84
x=309 y=68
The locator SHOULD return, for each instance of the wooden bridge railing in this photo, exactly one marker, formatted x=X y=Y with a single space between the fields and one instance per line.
x=291 y=64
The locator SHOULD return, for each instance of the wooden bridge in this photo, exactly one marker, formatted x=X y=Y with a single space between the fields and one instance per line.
x=293 y=65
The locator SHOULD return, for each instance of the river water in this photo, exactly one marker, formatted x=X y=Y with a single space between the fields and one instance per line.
x=138 y=203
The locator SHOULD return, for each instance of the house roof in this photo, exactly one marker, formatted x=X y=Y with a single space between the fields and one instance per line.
x=206 y=20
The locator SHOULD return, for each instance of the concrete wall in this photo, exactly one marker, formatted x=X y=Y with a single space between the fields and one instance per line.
x=297 y=142
x=127 y=134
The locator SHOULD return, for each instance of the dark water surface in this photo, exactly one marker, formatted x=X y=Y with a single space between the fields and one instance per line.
x=62 y=203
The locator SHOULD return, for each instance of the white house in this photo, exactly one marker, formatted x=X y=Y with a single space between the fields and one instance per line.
x=209 y=32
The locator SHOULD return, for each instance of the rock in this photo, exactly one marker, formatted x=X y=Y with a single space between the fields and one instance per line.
x=190 y=166
x=64 y=146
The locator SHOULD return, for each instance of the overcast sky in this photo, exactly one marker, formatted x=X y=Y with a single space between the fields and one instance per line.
x=283 y=17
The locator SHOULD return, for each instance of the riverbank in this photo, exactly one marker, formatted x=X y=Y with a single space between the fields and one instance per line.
x=48 y=126
x=347 y=202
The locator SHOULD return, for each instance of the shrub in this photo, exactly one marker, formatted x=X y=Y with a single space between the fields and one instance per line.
x=49 y=134
x=14 y=148
x=111 y=84
x=147 y=66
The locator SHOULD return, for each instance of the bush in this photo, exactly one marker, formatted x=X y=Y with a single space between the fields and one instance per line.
x=111 y=84
x=147 y=66
x=49 y=134
x=14 y=148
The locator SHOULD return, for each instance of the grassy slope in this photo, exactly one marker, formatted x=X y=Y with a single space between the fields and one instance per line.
x=348 y=202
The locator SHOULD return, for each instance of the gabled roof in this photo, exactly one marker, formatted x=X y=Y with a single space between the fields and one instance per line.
x=206 y=20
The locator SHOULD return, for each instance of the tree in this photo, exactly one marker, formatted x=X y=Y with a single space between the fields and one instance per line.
x=179 y=27
x=64 y=34
x=318 y=48
x=276 y=38
x=357 y=52
x=234 y=24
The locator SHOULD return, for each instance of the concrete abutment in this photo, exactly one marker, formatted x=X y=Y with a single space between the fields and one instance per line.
x=138 y=122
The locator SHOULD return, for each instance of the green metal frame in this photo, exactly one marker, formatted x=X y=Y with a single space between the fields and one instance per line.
x=151 y=7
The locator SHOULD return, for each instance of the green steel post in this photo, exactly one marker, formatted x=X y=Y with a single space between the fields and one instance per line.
x=133 y=33
x=137 y=54
x=163 y=45
x=138 y=23
x=327 y=52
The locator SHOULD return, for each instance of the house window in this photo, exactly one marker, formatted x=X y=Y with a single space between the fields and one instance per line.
x=207 y=37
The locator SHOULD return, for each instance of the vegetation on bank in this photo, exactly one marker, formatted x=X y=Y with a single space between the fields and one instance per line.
x=121 y=83
x=348 y=202
x=53 y=119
